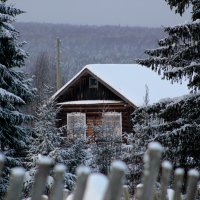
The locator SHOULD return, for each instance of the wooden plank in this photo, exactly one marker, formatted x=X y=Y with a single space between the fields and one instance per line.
x=81 y=91
x=102 y=109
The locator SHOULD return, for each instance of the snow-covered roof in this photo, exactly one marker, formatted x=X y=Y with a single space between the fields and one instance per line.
x=129 y=80
x=89 y=102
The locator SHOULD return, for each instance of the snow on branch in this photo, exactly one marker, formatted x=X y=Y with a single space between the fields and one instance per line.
x=8 y=96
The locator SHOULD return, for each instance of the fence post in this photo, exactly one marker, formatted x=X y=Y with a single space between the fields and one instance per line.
x=152 y=168
x=2 y=159
x=56 y=192
x=178 y=182
x=39 y=185
x=115 y=184
x=193 y=176
x=126 y=192
x=82 y=176
x=15 y=184
x=97 y=185
x=138 y=192
x=44 y=197
x=166 y=171
x=65 y=194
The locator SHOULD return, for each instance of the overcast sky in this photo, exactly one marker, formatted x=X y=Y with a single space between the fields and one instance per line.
x=100 y=12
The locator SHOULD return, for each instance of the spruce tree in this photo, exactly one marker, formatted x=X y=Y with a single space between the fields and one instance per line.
x=175 y=122
x=15 y=91
x=178 y=56
x=50 y=140
x=105 y=147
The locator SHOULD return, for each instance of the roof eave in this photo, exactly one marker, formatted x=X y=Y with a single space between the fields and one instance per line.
x=69 y=83
x=81 y=73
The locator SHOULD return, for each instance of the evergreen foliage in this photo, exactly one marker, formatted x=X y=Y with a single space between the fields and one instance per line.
x=106 y=147
x=178 y=56
x=181 y=6
x=174 y=122
x=50 y=141
x=15 y=91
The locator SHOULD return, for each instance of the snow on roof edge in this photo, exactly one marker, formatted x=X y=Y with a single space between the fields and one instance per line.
x=89 y=102
x=68 y=83
x=130 y=89
x=120 y=93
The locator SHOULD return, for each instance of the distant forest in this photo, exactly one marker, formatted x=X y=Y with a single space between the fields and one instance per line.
x=82 y=45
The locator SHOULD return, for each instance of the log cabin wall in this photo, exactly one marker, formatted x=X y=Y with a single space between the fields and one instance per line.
x=94 y=115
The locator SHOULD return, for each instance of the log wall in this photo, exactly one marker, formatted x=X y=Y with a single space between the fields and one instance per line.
x=94 y=115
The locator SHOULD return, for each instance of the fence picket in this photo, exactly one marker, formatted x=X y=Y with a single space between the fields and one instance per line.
x=16 y=184
x=58 y=185
x=82 y=176
x=165 y=177
x=126 y=192
x=152 y=168
x=139 y=191
x=178 y=182
x=193 y=177
x=65 y=194
x=2 y=159
x=96 y=187
x=99 y=187
x=40 y=178
x=115 y=185
x=44 y=197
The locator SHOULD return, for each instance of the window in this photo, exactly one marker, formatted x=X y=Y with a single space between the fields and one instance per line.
x=112 y=123
x=76 y=124
x=93 y=83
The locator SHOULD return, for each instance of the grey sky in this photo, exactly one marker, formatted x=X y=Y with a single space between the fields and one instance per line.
x=100 y=12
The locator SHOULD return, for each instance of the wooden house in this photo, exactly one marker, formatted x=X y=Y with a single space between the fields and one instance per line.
x=105 y=95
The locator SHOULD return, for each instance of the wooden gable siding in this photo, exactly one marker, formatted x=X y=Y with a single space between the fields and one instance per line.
x=81 y=91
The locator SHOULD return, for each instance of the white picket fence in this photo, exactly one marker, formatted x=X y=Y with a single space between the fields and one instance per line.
x=94 y=186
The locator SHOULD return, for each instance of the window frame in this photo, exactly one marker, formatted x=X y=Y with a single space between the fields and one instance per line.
x=76 y=114
x=114 y=114
x=96 y=85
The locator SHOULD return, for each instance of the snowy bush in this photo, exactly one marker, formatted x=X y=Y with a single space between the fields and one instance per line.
x=105 y=147
x=49 y=140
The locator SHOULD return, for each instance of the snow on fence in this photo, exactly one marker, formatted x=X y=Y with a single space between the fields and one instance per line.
x=94 y=186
